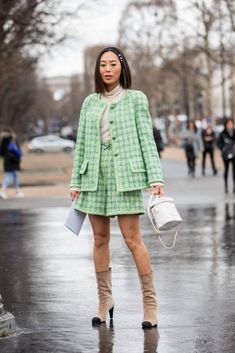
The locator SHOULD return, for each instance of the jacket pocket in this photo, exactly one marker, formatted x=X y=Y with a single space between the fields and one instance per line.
x=83 y=166
x=137 y=166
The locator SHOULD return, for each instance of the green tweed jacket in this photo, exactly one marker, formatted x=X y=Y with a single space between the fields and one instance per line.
x=136 y=159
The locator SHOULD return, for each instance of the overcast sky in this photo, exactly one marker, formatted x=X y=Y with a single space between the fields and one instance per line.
x=95 y=26
x=98 y=25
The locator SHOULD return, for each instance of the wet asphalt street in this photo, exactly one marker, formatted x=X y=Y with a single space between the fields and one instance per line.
x=47 y=278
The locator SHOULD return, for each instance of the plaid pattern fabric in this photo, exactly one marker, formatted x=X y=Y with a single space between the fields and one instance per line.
x=136 y=160
x=106 y=200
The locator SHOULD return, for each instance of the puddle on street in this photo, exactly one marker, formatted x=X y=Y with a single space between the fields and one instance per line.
x=47 y=281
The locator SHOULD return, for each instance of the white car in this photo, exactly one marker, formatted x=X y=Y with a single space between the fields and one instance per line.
x=50 y=143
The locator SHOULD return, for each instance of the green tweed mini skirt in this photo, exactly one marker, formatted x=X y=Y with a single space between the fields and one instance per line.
x=106 y=201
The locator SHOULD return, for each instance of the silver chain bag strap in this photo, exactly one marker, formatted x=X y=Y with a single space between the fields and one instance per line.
x=164 y=216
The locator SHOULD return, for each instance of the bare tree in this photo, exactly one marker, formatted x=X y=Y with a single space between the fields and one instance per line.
x=90 y=56
x=77 y=95
x=141 y=26
x=231 y=11
x=217 y=17
x=27 y=29
x=206 y=20
x=45 y=106
x=27 y=23
x=18 y=89
x=162 y=60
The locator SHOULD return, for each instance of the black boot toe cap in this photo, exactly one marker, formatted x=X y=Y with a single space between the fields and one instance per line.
x=96 y=321
x=146 y=325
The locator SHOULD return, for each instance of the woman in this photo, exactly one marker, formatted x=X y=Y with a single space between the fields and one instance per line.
x=192 y=145
x=226 y=143
x=11 y=153
x=115 y=158
x=208 y=140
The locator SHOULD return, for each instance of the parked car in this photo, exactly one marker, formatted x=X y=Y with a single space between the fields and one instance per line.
x=50 y=143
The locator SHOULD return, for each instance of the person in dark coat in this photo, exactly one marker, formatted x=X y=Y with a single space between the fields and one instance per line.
x=11 y=153
x=192 y=144
x=208 y=139
x=226 y=143
x=158 y=140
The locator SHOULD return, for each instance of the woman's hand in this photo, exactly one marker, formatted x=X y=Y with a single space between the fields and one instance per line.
x=74 y=194
x=157 y=190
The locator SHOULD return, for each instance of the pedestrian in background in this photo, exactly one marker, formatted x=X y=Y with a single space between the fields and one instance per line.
x=192 y=144
x=226 y=143
x=208 y=140
x=158 y=140
x=11 y=153
x=115 y=158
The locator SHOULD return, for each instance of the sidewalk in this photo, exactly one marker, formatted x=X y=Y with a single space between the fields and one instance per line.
x=174 y=153
x=44 y=175
x=49 y=174
x=48 y=281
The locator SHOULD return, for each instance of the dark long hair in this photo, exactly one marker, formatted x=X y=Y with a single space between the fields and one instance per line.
x=227 y=121
x=194 y=125
x=125 y=78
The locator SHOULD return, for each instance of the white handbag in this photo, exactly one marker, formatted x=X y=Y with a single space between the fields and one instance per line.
x=164 y=216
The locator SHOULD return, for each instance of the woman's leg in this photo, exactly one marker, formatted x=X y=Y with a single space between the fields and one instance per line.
x=7 y=180
x=101 y=256
x=204 y=153
x=193 y=163
x=226 y=167
x=16 y=182
x=130 y=228
x=188 y=161
x=233 y=162
x=211 y=152
x=101 y=231
x=129 y=225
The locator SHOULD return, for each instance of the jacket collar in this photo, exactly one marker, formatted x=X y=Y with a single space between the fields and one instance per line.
x=227 y=134
x=98 y=95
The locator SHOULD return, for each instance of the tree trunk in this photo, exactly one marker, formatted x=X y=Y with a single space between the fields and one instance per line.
x=209 y=94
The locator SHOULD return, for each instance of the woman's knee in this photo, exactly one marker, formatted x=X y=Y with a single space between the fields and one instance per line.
x=101 y=240
x=129 y=226
x=133 y=243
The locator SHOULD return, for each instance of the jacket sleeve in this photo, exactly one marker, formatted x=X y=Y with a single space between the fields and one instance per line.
x=1 y=149
x=200 y=142
x=220 y=141
x=79 y=149
x=146 y=139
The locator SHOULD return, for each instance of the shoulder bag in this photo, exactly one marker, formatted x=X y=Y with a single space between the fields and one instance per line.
x=164 y=216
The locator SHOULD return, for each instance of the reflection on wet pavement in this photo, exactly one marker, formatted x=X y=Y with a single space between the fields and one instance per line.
x=47 y=281
x=106 y=338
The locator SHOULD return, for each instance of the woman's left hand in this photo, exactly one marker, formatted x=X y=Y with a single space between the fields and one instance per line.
x=157 y=190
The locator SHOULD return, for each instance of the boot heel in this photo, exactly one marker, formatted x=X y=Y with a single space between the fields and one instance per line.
x=111 y=313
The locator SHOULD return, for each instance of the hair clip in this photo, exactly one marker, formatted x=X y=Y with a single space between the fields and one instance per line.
x=120 y=57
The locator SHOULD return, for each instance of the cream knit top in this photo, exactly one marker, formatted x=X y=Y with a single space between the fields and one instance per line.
x=109 y=97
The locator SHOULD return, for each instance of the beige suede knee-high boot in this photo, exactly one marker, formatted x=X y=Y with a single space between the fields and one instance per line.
x=106 y=302
x=149 y=301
